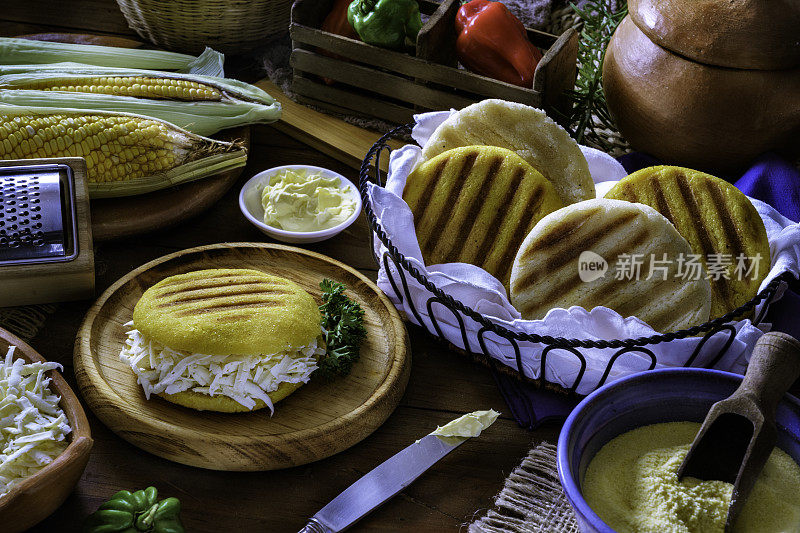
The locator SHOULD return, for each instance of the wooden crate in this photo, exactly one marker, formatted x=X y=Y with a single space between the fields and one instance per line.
x=376 y=82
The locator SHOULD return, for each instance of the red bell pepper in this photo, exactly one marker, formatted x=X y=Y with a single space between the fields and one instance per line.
x=492 y=41
x=336 y=22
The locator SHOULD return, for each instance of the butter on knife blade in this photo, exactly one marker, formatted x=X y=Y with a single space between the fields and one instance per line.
x=396 y=473
x=465 y=427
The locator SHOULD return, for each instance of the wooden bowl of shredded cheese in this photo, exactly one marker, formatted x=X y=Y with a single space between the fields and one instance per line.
x=45 y=438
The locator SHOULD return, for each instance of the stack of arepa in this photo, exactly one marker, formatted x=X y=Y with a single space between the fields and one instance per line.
x=503 y=187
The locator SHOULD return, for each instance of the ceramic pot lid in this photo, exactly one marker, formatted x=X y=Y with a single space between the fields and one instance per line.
x=748 y=34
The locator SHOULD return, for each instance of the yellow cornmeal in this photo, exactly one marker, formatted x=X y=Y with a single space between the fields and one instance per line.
x=632 y=484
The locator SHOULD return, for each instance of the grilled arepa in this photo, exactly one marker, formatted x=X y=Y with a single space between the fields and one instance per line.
x=475 y=204
x=577 y=242
x=224 y=340
x=529 y=132
x=717 y=219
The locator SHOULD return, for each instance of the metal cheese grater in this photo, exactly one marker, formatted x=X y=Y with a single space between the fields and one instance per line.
x=38 y=222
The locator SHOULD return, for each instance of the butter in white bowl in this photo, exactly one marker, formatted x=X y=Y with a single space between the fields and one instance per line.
x=300 y=203
x=305 y=200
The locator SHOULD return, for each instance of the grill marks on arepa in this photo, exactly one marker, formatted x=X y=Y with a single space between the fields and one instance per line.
x=440 y=218
x=546 y=270
x=228 y=312
x=557 y=258
x=231 y=292
x=529 y=132
x=475 y=205
x=713 y=216
x=497 y=219
x=550 y=256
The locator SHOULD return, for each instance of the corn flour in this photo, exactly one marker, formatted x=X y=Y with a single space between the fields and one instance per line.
x=632 y=484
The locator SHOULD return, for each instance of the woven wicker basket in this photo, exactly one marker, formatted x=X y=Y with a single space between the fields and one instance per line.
x=230 y=26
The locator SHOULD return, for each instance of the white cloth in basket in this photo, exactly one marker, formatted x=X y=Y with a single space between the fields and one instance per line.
x=478 y=290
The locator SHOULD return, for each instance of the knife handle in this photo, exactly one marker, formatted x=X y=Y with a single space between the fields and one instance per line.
x=314 y=526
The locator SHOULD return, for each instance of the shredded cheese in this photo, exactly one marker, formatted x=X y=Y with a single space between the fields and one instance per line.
x=33 y=428
x=243 y=378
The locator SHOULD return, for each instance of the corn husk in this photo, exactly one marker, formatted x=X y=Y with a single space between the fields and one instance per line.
x=241 y=103
x=14 y=51
x=203 y=167
x=202 y=157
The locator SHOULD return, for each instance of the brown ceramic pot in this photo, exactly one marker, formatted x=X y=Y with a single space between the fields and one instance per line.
x=742 y=34
x=684 y=108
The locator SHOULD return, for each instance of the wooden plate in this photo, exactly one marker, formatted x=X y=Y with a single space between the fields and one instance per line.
x=319 y=420
x=32 y=500
x=113 y=218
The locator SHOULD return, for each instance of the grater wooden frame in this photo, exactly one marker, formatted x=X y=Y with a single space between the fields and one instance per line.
x=26 y=284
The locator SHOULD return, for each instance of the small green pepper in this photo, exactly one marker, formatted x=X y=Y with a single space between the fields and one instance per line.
x=385 y=23
x=136 y=512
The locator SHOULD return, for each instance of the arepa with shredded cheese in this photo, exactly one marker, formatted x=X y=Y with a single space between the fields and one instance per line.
x=226 y=340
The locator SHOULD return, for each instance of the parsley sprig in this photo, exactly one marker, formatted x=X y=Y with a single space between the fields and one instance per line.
x=343 y=322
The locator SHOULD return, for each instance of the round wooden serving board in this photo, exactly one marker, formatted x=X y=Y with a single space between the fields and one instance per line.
x=113 y=218
x=320 y=419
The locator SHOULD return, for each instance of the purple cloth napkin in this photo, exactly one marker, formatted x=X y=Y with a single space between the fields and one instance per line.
x=771 y=179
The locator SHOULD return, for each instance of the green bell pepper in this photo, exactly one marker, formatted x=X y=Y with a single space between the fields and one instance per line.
x=136 y=512
x=385 y=23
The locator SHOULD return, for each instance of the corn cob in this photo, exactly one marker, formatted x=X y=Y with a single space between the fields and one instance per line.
x=14 y=51
x=200 y=104
x=136 y=86
x=125 y=153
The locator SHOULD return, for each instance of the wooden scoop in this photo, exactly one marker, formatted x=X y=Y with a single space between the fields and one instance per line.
x=738 y=434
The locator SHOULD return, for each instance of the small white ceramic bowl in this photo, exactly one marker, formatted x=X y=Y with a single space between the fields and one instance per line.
x=253 y=210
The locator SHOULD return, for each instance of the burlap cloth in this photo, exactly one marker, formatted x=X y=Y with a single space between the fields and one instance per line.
x=25 y=322
x=531 y=501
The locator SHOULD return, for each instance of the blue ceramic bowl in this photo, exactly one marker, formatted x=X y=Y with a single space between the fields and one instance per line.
x=668 y=395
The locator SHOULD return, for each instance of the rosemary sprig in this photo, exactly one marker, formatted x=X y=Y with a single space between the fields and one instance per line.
x=589 y=111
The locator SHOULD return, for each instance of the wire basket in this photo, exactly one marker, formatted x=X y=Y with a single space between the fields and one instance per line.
x=230 y=26
x=404 y=269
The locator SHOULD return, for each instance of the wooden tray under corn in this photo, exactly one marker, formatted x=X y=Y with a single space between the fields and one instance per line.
x=390 y=85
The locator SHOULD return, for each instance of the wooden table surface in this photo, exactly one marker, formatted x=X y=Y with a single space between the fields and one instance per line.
x=443 y=384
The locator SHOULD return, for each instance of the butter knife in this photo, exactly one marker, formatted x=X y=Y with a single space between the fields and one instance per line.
x=380 y=484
